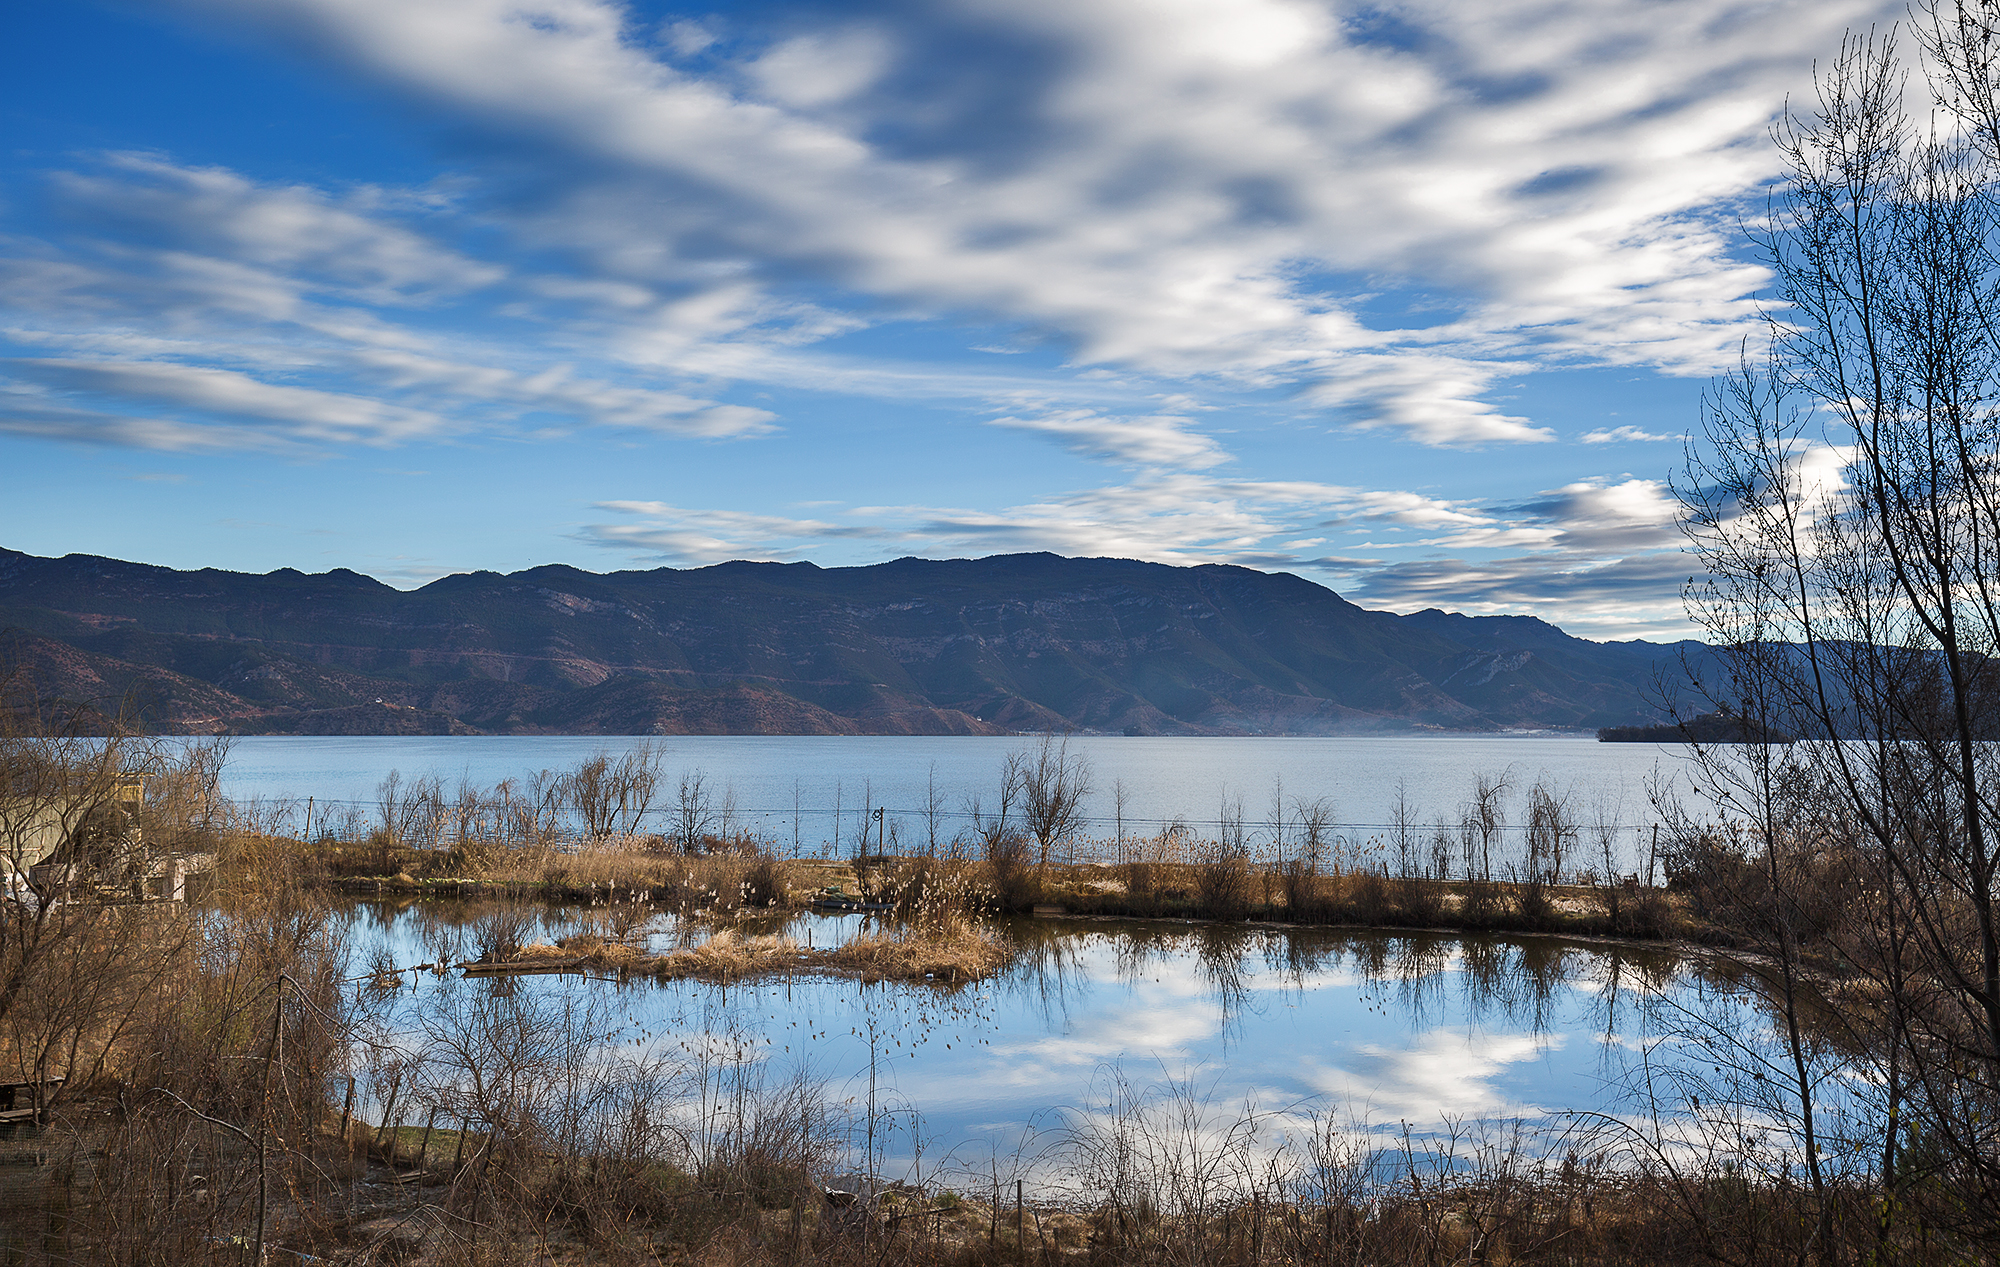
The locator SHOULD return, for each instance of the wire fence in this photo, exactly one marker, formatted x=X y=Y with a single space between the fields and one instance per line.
x=1438 y=847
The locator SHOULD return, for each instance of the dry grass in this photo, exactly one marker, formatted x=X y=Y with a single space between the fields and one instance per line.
x=950 y=950
x=1177 y=878
x=947 y=951
x=1229 y=888
x=730 y=956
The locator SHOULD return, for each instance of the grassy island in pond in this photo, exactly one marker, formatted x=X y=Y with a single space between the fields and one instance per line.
x=948 y=952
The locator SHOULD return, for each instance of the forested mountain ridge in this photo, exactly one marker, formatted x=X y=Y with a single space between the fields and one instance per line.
x=915 y=646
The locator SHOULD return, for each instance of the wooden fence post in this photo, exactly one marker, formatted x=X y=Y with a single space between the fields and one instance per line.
x=1020 y=1232
x=424 y=1149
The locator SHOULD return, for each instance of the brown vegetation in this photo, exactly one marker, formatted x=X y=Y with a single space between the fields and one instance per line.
x=949 y=951
x=580 y=835
x=254 y=1094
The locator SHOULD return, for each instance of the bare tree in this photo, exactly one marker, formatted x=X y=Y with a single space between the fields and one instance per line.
x=637 y=780
x=797 y=816
x=1604 y=828
x=695 y=815
x=1551 y=833
x=1845 y=505
x=998 y=826
x=425 y=818
x=1482 y=821
x=1119 y=797
x=388 y=833
x=1316 y=821
x=933 y=811
x=1274 y=823
x=1404 y=829
x=871 y=818
x=471 y=815
x=594 y=796
x=539 y=807
x=1229 y=826
x=1054 y=782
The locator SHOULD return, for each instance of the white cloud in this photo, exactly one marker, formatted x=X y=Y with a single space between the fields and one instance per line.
x=1182 y=519
x=1630 y=597
x=1165 y=518
x=22 y=414
x=1599 y=557
x=1160 y=441
x=1620 y=435
x=696 y=537
x=1444 y=1074
x=1178 y=188
x=1603 y=560
x=291 y=412
x=1434 y=399
x=1600 y=517
x=212 y=212
x=1590 y=517
x=820 y=70
x=214 y=284
x=557 y=390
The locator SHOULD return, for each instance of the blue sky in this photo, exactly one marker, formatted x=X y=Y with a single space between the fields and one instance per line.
x=1414 y=300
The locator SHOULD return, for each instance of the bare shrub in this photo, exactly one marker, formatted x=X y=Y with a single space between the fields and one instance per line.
x=501 y=932
x=225 y=1079
x=1368 y=897
x=1304 y=890
x=1534 y=906
x=1010 y=873
x=534 y=810
x=1004 y=850
x=1480 y=902
x=1441 y=843
x=1222 y=880
x=1419 y=902
x=1646 y=913
x=763 y=882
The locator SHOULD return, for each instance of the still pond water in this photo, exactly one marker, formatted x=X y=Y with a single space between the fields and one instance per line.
x=1384 y=1033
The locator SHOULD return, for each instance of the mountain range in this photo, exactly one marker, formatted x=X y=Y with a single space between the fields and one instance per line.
x=1026 y=642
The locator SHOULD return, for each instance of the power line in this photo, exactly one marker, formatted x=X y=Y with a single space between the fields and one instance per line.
x=960 y=815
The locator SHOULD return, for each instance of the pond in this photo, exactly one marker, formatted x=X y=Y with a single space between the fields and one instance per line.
x=1395 y=1035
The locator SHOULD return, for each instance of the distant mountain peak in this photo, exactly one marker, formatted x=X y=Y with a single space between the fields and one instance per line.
x=916 y=645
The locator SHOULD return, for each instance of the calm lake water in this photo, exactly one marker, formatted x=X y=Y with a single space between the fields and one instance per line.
x=1387 y=1033
x=809 y=792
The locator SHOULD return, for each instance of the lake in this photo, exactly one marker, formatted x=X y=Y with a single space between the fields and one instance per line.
x=808 y=793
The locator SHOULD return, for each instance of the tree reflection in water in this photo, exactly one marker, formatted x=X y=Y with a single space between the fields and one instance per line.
x=1414 y=1021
